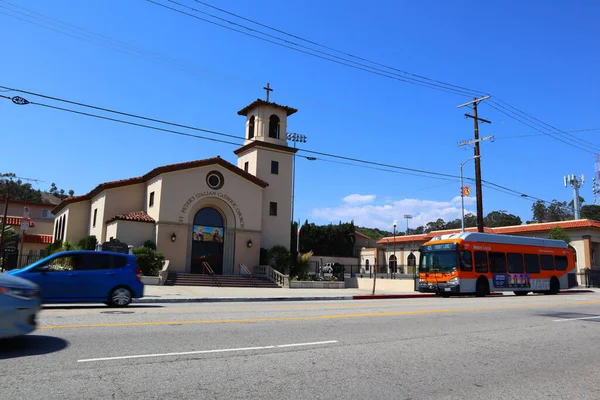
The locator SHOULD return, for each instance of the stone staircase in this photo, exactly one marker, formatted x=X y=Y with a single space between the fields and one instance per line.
x=184 y=279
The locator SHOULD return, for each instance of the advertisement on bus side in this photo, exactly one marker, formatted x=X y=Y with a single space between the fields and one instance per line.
x=512 y=280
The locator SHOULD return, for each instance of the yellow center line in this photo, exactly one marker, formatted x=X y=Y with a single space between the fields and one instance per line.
x=216 y=307
x=314 y=317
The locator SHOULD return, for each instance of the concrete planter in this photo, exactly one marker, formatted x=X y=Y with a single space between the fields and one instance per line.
x=150 y=280
x=316 y=285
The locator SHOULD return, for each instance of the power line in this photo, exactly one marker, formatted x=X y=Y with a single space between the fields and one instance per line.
x=542 y=123
x=502 y=109
x=152 y=57
x=543 y=134
x=413 y=171
x=369 y=69
x=549 y=130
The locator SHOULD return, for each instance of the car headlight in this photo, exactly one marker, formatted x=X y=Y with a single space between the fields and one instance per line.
x=20 y=292
x=454 y=281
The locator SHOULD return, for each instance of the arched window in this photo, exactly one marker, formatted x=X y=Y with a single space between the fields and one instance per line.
x=393 y=263
x=367 y=264
x=412 y=260
x=274 y=127
x=208 y=217
x=251 y=128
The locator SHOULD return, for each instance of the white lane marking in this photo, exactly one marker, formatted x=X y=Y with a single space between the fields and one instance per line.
x=575 y=319
x=210 y=351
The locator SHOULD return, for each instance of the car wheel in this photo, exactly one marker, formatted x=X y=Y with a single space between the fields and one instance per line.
x=120 y=297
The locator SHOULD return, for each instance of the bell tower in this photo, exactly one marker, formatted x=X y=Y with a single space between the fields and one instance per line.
x=266 y=155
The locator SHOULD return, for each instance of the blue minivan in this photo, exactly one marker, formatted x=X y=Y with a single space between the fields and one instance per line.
x=82 y=276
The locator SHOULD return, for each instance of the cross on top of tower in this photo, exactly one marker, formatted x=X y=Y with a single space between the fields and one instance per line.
x=268 y=89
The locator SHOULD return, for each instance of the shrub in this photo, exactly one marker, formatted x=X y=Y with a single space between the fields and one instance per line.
x=280 y=257
x=88 y=243
x=149 y=261
x=149 y=244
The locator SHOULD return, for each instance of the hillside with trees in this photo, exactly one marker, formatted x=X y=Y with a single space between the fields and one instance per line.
x=24 y=191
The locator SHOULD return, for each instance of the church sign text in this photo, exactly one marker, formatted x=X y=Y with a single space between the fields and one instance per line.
x=209 y=193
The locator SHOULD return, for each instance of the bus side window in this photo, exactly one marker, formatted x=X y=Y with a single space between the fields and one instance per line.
x=532 y=264
x=547 y=262
x=481 y=262
x=466 y=262
x=497 y=263
x=561 y=263
x=515 y=263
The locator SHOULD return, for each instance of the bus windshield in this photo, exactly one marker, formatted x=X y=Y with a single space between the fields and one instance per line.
x=438 y=261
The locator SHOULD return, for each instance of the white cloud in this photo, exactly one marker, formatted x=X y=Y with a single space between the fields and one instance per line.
x=366 y=212
x=359 y=198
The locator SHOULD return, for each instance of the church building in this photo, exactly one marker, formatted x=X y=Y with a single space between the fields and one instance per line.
x=205 y=210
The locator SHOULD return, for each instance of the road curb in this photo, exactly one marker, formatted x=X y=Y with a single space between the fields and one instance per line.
x=269 y=299
x=238 y=299
x=391 y=296
x=577 y=291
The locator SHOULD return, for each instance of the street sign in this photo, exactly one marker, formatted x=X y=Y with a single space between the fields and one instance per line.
x=24 y=224
x=26 y=212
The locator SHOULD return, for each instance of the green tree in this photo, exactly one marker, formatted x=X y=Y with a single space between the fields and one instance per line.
x=500 y=218
x=559 y=233
x=540 y=212
x=19 y=191
x=591 y=211
x=280 y=258
x=559 y=211
x=438 y=225
x=60 y=193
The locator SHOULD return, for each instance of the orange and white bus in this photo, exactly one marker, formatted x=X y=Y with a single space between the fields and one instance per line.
x=481 y=263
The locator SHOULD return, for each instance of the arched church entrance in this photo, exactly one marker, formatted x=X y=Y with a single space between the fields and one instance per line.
x=207 y=241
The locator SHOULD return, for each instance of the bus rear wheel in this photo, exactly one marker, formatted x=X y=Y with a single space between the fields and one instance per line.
x=520 y=293
x=554 y=286
x=482 y=288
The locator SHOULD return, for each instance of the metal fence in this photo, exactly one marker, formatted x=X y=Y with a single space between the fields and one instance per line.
x=590 y=277
x=14 y=261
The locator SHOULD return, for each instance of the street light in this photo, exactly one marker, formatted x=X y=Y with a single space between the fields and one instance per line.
x=407 y=216
x=462 y=192
x=395 y=260
x=295 y=137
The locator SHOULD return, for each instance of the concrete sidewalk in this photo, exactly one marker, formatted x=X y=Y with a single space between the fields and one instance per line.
x=208 y=294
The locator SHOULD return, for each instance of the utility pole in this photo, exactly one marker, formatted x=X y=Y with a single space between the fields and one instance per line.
x=575 y=184
x=477 y=154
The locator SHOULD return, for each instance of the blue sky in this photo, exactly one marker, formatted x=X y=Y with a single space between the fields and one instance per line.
x=537 y=56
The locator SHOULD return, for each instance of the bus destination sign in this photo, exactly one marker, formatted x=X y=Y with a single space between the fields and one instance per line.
x=439 y=247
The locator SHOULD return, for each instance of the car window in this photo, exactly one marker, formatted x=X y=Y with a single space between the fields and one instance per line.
x=60 y=264
x=94 y=262
x=120 y=261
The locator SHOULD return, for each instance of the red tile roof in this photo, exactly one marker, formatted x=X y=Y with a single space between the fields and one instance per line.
x=136 y=216
x=259 y=102
x=359 y=234
x=158 y=171
x=16 y=221
x=506 y=230
x=44 y=239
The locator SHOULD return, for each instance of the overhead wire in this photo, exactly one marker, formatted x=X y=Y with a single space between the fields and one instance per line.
x=151 y=56
x=525 y=118
x=411 y=171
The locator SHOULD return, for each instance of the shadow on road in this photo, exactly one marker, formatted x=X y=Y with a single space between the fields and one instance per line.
x=573 y=315
x=95 y=307
x=30 y=345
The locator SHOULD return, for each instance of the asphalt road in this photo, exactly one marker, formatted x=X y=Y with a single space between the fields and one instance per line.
x=537 y=347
